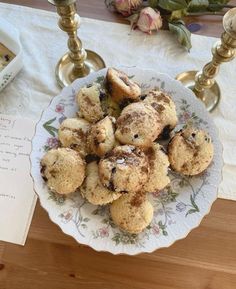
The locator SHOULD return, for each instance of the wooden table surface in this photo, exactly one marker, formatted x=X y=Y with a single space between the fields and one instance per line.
x=205 y=259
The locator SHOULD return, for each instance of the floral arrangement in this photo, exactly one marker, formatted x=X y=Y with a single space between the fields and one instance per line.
x=147 y=15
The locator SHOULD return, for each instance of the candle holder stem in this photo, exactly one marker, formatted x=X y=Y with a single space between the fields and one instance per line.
x=203 y=82
x=223 y=51
x=70 y=22
x=78 y=62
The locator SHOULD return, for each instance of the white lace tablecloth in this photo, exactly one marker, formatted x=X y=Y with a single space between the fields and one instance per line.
x=44 y=43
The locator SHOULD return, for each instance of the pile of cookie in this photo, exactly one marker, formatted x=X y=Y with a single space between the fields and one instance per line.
x=110 y=152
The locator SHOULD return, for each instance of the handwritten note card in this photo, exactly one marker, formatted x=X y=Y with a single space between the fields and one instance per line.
x=17 y=198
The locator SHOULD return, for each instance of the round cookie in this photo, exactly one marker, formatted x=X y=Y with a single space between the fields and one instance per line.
x=101 y=138
x=190 y=151
x=120 y=87
x=165 y=108
x=132 y=212
x=93 y=190
x=125 y=169
x=73 y=134
x=138 y=125
x=89 y=103
x=63 y=170
x=159 y=163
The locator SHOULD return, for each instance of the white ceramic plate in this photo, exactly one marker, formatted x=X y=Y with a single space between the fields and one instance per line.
x=177 y=211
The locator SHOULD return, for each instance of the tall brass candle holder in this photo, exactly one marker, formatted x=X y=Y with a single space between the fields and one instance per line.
x=78 y=62
x=203 y=83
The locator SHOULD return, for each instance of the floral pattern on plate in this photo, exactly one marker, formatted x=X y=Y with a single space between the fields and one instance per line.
x=177 y=209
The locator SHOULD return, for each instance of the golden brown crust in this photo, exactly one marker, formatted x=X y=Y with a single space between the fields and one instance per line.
x=132 y=212
x=125 y=169
x=138 y=125
x=164 y=106
x=93 y=190
x=72 y=134
x=63 y=170
x=101 y=138
x=120 y=87
x=190 y=151
x=159 y=163
x=90 y=107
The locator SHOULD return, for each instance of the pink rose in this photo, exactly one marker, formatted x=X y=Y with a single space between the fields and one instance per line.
x=103 y=232
x=126 y=7
x=186 y=116
x=156 y=194
x=155 y=230
x=149 y=20
x=66 y=216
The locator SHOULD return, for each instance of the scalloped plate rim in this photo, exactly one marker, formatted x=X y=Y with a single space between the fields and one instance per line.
x=94 y=244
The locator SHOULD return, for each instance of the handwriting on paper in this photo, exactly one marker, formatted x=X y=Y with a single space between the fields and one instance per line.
x=13 y=145
x=17 y=198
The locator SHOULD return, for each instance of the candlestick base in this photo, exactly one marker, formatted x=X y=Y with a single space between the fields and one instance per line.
x=209 y=96
x=65 y=74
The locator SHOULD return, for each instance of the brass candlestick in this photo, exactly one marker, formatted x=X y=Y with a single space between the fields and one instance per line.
x=203 y=83
x=77 y=62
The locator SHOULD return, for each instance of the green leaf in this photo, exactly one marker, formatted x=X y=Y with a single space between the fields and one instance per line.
x=148 y=227
x=198 y=5
x=161 y=225
x=109 y=3
x=173 y=196
x=216 y=5
x=219 y=2
x=193 y=203
x=117 y=238
x=191 y=211
x=183 y=183
x=153 y=3
x=133 y=19
x=172 y=5
x=112 y=225
x=100 y=79
x=131 y=76
x=183 y=34
x=95 y=212
x=164 y=233
x=56 y=198
x=49 y=122
x=51 y=130
x=178 y=14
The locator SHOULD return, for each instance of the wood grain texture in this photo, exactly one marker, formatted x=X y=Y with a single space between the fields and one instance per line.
x=205 y=259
